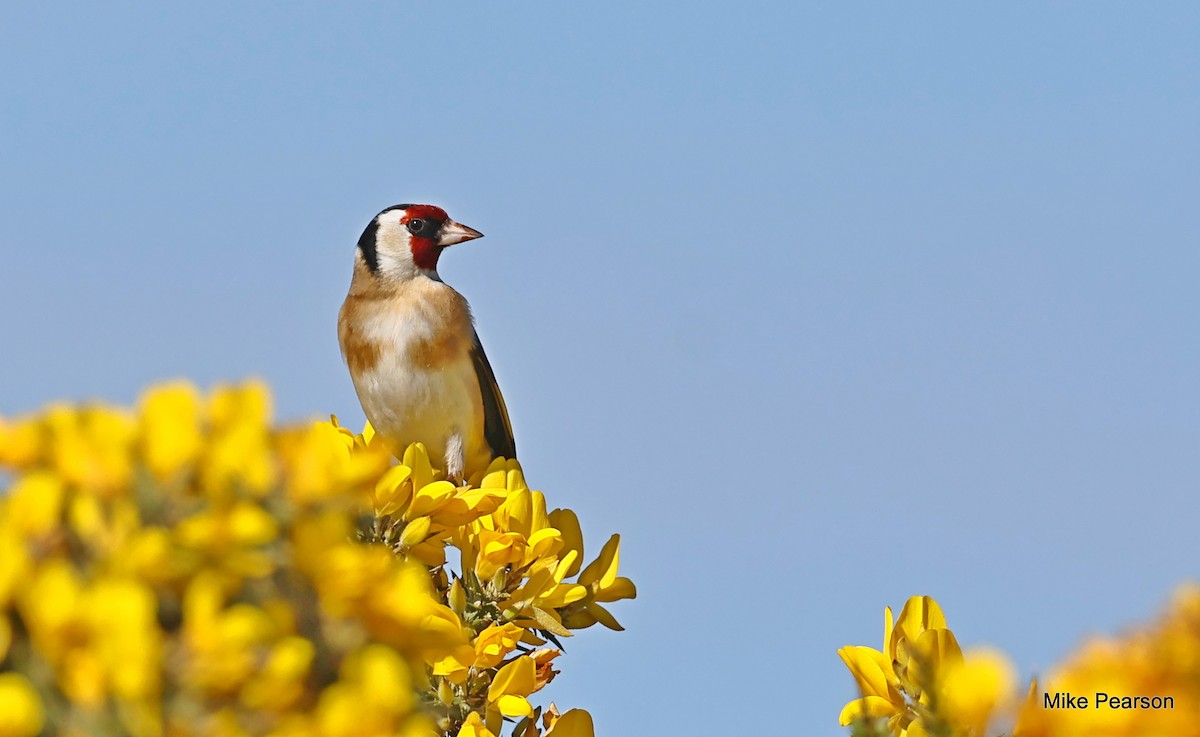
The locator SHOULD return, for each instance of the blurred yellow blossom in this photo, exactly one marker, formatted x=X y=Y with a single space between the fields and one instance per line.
x=22 y=442
x=372 y=697
x=20 y=709
x=237 y=455
x=171 y=432
x=221 y=644
x=35 y=504
x=975 y=688
x=281 y=682
x=232 y=537
x=92 y=446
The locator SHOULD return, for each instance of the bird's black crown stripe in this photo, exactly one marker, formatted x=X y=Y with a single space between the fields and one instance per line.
x=366 y=244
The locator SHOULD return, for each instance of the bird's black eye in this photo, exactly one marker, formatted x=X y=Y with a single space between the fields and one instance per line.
x=417 y=226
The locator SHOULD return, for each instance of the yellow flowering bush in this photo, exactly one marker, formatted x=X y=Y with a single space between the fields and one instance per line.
x=1136 y=674
x=921 y=683
x=185 y=568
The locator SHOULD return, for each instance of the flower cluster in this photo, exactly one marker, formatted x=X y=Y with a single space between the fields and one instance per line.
x=185 y=568
x=1146 y=682
x=922 y=684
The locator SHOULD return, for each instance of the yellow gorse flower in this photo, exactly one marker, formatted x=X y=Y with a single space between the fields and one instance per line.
x=186 y=568
x=921 y=682
x=574 y=723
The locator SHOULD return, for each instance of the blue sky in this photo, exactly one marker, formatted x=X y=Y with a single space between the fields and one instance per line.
x=819 y=306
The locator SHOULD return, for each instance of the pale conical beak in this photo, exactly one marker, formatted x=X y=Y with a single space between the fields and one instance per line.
x=453 y=232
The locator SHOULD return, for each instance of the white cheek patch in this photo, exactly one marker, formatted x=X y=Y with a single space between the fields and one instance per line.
x=393 y=251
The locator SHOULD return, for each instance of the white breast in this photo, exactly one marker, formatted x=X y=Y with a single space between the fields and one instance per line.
x=424 y=386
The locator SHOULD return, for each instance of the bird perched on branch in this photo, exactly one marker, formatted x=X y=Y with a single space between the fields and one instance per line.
x=410 y=342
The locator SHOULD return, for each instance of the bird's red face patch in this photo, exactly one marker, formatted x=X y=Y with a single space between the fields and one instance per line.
x=423 y=223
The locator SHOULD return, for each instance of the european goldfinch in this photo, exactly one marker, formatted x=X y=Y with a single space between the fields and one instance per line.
x=410 y=343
